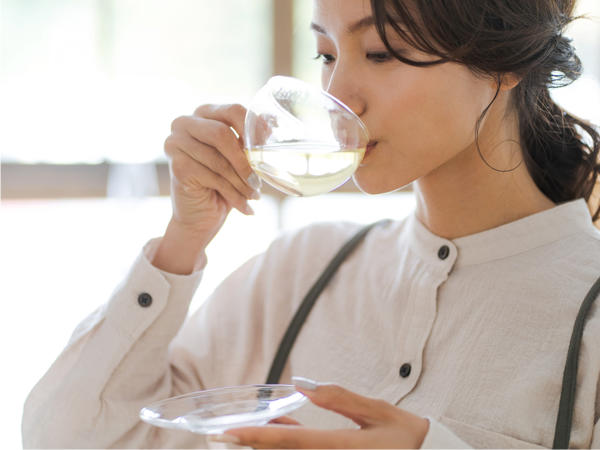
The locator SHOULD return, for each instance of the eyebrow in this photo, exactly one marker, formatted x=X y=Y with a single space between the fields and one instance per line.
x=365 y=22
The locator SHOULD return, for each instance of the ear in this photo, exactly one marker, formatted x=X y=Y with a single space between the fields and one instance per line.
x=508 y=81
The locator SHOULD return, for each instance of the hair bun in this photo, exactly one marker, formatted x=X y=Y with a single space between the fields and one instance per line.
x=565 y=65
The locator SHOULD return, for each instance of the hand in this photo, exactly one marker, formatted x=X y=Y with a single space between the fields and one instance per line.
x=210 y=173
x=382 y=425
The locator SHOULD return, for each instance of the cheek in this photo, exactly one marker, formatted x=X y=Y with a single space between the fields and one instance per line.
x=324 y=78
x=426 y=120
x=434 y=112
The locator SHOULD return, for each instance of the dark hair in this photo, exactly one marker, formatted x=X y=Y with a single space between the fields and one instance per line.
x=520 y=37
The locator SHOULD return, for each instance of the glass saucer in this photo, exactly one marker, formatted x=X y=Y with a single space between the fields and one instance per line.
x=215 y=410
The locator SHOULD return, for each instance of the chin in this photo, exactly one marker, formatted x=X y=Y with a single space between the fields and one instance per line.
x=375 y=185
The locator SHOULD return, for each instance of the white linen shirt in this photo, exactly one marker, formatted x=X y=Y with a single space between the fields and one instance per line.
x=485 y=331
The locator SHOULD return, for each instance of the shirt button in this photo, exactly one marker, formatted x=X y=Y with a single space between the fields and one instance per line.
x=443 y=252
x=405 y=370
x=144 y=299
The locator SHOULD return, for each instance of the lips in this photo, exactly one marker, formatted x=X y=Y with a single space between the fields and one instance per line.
x=370 y=146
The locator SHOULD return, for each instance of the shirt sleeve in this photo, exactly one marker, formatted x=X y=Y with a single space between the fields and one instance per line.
x=116 y=362
x=439 y=436
x=446 y=435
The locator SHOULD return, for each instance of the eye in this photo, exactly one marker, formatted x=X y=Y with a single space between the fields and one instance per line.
x=327 y=58
x=379 y=57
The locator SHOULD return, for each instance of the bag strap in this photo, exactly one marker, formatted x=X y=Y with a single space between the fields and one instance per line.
x=562 y=433
x=309 y=300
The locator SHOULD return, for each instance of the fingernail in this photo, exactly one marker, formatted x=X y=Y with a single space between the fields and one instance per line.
x=255 y=195
x=235 y=132
x=254 y=181
x=305 y=383
x=248 y=209
x=227 y=438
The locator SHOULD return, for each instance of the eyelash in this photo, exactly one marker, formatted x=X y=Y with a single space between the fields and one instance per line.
x=327 y=59
x=377 y=57
x=380 y=57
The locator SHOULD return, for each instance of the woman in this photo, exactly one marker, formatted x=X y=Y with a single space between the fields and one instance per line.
x=449 y=328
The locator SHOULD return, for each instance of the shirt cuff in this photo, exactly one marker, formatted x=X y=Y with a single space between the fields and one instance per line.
x=167 y=296
x=150 y=250
x=438 y=436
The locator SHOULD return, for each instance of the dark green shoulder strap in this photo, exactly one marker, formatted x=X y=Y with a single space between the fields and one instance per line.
x=562 y=433
x=311 y=297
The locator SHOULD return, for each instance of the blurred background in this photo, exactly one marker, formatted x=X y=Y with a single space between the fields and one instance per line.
x=88 y=90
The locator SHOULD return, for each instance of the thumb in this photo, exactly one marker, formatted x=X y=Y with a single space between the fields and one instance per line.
x=364 y=411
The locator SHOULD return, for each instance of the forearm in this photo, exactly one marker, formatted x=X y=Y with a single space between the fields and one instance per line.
x=181 y=251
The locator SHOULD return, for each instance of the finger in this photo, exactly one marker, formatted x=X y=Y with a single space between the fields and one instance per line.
x=215 y=161
x=363 y=411
x=191 y=174
x=218 y=135
x=285 y=420
x=233 y=115
x=293 y=437
x=261 y=127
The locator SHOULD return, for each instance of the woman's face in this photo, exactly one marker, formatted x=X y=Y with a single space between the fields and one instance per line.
x=421 y=119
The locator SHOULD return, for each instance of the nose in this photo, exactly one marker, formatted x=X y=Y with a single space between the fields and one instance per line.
x=345 y=86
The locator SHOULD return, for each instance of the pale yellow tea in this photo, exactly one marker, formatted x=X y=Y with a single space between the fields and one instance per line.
x=302 y=169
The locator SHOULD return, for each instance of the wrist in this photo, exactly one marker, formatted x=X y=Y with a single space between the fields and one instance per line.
x=181 y=250
x=192 y=235
x=421 y=430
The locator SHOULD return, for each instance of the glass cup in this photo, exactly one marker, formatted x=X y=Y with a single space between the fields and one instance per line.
x=302 y=140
